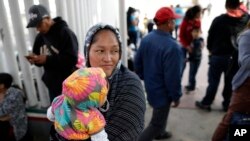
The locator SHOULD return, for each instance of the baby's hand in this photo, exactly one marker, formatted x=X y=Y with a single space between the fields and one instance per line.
x=50 y=115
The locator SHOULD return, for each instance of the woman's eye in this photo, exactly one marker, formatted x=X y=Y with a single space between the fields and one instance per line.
x=99 y=51
x=115 y=51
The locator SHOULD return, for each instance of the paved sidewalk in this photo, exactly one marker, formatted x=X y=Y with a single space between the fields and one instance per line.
x=186 y=122
x=190 y=124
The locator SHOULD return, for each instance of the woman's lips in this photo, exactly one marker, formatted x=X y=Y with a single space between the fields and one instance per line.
x=108 y=66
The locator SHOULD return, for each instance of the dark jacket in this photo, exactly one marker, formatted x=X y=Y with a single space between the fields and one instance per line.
x=159 y=63
x=62 y=60
x=221 y=30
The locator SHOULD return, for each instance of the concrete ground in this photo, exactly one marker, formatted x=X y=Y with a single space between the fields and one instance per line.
x=186 y=122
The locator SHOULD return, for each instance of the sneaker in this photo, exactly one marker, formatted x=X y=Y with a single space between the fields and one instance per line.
x=165 y=135
x=202 y=106
x=189 y=88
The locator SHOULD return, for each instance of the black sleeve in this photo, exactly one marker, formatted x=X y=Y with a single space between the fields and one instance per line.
x=67 y=57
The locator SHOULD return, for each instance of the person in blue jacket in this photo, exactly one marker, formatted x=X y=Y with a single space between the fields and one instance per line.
x=159 y=63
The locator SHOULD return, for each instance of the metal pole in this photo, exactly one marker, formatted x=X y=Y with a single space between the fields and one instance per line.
x=8 y=45
x=22 y=51
x=71 y=15
x=78 y=22
x=61 y=9
x=123 y=31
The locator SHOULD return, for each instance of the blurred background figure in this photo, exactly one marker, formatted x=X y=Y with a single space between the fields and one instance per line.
x=13 y=118
x=132 y=25
x=194 y=58
x=223 y=57
x=192 y=18
x=241 y=87
x=150 y=25
x=178 y=10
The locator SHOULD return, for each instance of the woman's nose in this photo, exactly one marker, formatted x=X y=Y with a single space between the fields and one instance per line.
x=107 y=56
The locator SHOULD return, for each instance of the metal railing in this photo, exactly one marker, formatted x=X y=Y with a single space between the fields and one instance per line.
x=16 y=40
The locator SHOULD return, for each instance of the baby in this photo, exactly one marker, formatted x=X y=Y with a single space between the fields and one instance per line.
x=75 y=112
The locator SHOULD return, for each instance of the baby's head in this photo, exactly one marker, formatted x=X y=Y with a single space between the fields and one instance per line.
x=196 y=32
x=76 y=113
x=86 y=86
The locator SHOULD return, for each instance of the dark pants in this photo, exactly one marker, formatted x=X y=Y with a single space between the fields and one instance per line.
x=217 y=66
x=6 y=132
x=157 y=124
x=194 y=66
x=184 y=53
x=240 y=103
x=133 y=37
x=176 y=31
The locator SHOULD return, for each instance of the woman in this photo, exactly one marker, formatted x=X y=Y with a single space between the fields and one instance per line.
x=241 y=86
x=125 y=116
x=12 y=108
x=191 y=19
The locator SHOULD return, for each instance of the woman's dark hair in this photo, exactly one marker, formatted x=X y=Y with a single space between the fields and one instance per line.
x=192 y=12
x=6 y=79
x=130 y=11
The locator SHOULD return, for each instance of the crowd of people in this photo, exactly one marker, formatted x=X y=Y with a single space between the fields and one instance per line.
x=105 y=100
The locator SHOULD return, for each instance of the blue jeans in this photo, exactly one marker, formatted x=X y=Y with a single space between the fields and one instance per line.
x=217 y=66
x=157 y=124
x=194 y=66
x=184 y=53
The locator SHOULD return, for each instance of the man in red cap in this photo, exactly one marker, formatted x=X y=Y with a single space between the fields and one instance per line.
x=159 y=63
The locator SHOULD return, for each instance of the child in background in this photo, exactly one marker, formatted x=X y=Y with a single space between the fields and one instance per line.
x=75 y=112
x=195 y=56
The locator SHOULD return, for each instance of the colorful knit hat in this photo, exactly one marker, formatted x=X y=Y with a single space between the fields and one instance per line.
x=76 y=113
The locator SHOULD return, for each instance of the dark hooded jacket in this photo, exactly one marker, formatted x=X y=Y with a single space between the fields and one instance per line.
x=221 y=31
x=125 y=116
x=61 y=55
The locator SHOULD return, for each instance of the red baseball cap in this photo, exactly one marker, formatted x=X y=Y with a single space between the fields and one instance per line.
x=164 y=14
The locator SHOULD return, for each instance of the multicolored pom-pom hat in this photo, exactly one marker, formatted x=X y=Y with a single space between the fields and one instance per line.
x=76 y=110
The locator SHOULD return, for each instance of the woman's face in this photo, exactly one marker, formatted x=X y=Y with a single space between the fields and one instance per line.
x=104 y=51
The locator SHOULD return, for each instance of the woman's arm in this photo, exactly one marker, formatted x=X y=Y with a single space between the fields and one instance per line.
x=244 y=50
